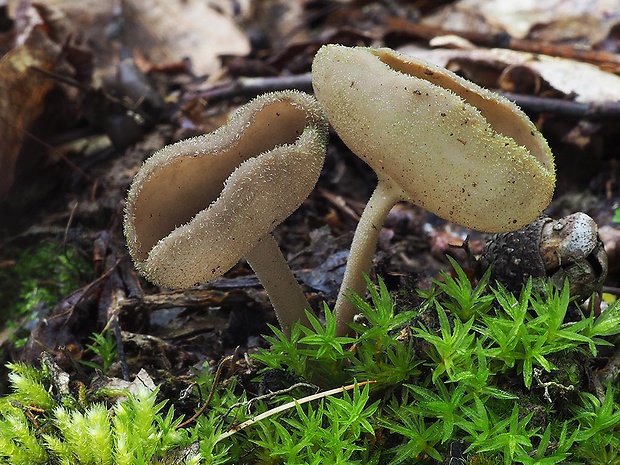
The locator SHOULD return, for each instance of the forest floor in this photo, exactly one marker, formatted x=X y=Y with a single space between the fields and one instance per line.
x=88 y=92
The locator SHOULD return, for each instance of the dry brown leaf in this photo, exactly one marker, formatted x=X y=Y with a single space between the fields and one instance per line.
x=503 y=68
x=611 y=240
x=168 y=31
x=279 y=20
x=586 y=82
x=588 y=21
x=164 y=31
x=94 y=23
x=22 y=95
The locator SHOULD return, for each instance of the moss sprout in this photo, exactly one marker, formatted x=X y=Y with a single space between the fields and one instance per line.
x=474 y=373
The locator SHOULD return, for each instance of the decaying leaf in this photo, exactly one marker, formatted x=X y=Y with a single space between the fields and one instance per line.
x=94 y=23
x=119 y=387
x=567 y=76
x=546 y=20
x=518 y=72
x=169 y=31
x=23 y=91
x=271 y=20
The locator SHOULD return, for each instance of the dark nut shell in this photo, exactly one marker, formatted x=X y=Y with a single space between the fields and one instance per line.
x=566 y=248
x=514 y=256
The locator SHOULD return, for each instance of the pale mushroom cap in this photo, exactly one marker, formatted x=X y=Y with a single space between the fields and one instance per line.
x=452 y=147
x=198 y=206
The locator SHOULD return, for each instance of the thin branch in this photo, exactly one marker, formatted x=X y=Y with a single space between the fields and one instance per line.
x=229 y=360
x=287 y=406
x=248 y=403
x=608 y=61
x=569 y=108
x=250 y=87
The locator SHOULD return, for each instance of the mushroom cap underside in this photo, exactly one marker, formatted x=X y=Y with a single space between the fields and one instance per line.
x=198 y=206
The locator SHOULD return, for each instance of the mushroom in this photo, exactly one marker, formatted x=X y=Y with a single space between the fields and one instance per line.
x=434 y=139
x=196 y=207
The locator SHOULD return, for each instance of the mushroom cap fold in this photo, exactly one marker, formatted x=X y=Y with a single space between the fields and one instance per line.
x=196 y=207
x=460 y=151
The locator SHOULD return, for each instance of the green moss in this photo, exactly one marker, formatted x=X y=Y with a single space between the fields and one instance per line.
x=38 y=276
x=496 y=375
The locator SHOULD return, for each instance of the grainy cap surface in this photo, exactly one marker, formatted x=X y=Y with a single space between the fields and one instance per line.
x=198 y=206
x=452 y=147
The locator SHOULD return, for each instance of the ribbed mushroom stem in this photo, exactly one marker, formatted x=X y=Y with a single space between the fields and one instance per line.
x=363 y=248
x=287 y=298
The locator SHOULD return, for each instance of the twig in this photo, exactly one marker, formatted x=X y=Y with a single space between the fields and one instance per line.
x=287 y=406
x=591 y=111
x=611 y=290
x=249 y=87
x=270 y=395
x=339 y=202
x=548 y=384
x=120 y=347
x=52 y=149
x=59 y=377
x=229 y=360
x=612 y=369
x=609 y=61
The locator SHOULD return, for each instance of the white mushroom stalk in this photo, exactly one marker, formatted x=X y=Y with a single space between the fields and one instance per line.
x=434 y=139
x=198 y=206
